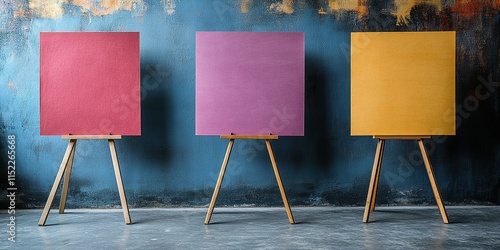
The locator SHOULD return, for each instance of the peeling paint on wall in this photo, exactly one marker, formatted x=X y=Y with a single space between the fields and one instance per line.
x=55 y=8
x=5 y=15
x=469 y=9
x=283 y=7
x=41 y=8
x=102 y=8
x=363 y=8
x=336 y=5
x=47 y=8
x=245 y=6
x=169 y=6
x=404 y=7
x=347 y=5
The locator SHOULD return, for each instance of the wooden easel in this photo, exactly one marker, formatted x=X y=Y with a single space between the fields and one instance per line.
x=377 y=163
x=65 y=169
x=268 y=139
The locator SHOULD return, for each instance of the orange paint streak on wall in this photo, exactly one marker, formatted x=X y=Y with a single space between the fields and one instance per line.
x=336 y=5
x=245 y=6
x=55 y=8
x=107 y=7
x=468 y=8
x=403 y=8
x=286 y=6
x=362 y=8
x=345 y=5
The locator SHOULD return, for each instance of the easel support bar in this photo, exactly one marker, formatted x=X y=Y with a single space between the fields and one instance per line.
x=251 y=137
x=91 y=137
x=399 y=137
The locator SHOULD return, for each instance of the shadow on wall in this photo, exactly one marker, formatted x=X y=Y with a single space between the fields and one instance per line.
x=317 y=156
x=316 y=109
x=496 y=194
x=155 y=106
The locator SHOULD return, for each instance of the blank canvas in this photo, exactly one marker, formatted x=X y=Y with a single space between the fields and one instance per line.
x=250 y=83
x=90 y=83
x=402 y=83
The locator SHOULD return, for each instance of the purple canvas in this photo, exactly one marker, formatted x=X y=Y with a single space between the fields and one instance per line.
x=250 y=83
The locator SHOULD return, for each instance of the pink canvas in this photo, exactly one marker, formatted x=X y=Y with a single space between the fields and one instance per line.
x=90 y=83
x=250 y=83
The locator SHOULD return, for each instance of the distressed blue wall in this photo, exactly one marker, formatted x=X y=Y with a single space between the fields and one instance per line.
x=169 y=166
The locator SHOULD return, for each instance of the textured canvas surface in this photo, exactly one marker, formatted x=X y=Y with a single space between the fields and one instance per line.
x=250 y=83
x=403 y=83
x=90 y=83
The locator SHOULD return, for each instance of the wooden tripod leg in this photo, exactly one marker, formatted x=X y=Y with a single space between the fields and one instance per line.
x=67 y=175
x=219 y=182
x=375 y=172
x=377 y=178
x=280 y=183
x=432 y=179
x=119 y=182
x=57 y=182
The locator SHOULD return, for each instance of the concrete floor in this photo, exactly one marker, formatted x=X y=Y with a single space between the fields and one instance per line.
x=471 y=227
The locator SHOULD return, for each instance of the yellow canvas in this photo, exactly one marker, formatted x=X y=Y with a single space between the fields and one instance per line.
x=403 y=83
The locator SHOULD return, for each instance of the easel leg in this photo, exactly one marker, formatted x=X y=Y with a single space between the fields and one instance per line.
x=57 y=182
x=432 y=179
x=119 y=182
x=370 y=199
x=219 y=182
x=377 y=178
x=280 y=183
x=67 y=175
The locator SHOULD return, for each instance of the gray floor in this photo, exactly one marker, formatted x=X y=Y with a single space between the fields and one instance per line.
x=471 y=227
